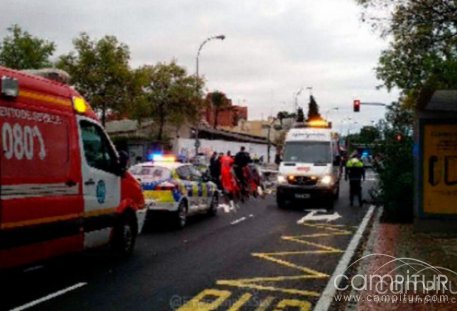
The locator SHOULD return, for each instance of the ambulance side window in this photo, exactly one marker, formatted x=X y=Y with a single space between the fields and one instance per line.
x=97 y=149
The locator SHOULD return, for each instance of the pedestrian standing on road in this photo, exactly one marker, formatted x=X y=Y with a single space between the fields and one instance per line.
x=278 y=158
x=355 y=172
x=215 y=169
x=228 y=179
x=242 y=159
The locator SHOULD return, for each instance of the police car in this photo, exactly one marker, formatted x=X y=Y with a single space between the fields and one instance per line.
x=176 y=188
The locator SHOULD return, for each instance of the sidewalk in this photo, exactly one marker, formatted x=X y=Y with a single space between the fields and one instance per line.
x=401 y=241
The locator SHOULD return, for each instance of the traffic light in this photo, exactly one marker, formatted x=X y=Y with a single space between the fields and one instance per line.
x=399 y=137
x=356 y=105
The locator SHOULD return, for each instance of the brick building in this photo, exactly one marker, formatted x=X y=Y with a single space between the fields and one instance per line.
x=226 y=117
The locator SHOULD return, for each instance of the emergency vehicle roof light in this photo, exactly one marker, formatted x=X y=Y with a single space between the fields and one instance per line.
x=163 y=158
x=318 y=123
x=79 y=104
x=9 y=87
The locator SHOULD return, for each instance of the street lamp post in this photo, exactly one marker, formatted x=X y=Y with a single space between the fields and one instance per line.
x=219 y=37
x=296 y=98
x=268 y=127
x=310 y=89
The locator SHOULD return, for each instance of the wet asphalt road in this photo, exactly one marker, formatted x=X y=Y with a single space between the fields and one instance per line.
x=254 y=258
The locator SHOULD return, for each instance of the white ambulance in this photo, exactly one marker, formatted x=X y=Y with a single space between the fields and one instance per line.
x=311 y=167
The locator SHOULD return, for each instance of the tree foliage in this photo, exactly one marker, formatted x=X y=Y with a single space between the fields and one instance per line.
x=300 y=115
x=100 y=70
x=367 y=135
x=423 y=43
x=395 y=165
x=219 y=101
x=170 y=96
x=281 y=115
x=20 y=50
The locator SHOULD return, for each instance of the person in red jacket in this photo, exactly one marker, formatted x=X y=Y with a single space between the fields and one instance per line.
x=228 y=181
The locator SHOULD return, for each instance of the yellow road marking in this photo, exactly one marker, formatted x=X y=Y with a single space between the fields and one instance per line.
x=276 y=278
x=240 y=302
x=271 y=257
x=263 y=306
x=200 y=303
x=283 y=304
x=256 y=283
x=236 y=283
x=297 y=239
x=211 y=299
x=334 y=230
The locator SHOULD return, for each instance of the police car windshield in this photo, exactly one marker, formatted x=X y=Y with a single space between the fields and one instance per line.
x=307 y=152
x=150 y=172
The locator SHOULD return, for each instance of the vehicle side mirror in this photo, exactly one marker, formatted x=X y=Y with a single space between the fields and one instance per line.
x=123 y=162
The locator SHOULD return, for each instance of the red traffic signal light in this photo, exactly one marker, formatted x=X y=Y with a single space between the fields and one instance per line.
x=356 y=105
x=398 y=137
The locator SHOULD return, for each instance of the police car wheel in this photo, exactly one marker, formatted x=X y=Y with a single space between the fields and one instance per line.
x=124 y=236
x=214 y=205
x=181 y=215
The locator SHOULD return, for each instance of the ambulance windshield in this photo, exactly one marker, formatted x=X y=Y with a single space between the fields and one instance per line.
x=307 y=152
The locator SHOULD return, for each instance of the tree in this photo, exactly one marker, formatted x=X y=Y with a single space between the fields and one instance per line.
x=20 y=50
x=219 y=102
x=395 y=165
x=300 y=115
x=281 y=116
x=100 y=71
x=170 y=96
x=368 y=134
x=423 y=43
x=313 y=109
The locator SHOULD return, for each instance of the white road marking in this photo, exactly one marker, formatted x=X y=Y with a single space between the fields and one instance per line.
x=34 y=268
x=238 y=221
x=313 y=217
x=321 y=210
x=326 y=298
x=49 y=297
x=250 y=215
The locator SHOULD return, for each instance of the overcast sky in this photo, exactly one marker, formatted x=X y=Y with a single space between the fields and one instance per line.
x=272 y=47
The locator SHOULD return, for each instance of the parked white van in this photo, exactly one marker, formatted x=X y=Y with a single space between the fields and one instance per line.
x=311 y=167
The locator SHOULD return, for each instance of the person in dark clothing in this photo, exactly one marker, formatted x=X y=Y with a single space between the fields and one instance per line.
x=355 y=172
x=215 y=168
x=242 y=159
x=278 y=159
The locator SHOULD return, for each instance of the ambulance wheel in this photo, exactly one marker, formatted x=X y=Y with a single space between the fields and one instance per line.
x=125 y=236
x=180 y=217
x=212 y=211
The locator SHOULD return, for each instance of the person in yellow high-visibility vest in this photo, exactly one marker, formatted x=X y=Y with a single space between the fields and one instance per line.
x=355 y=172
